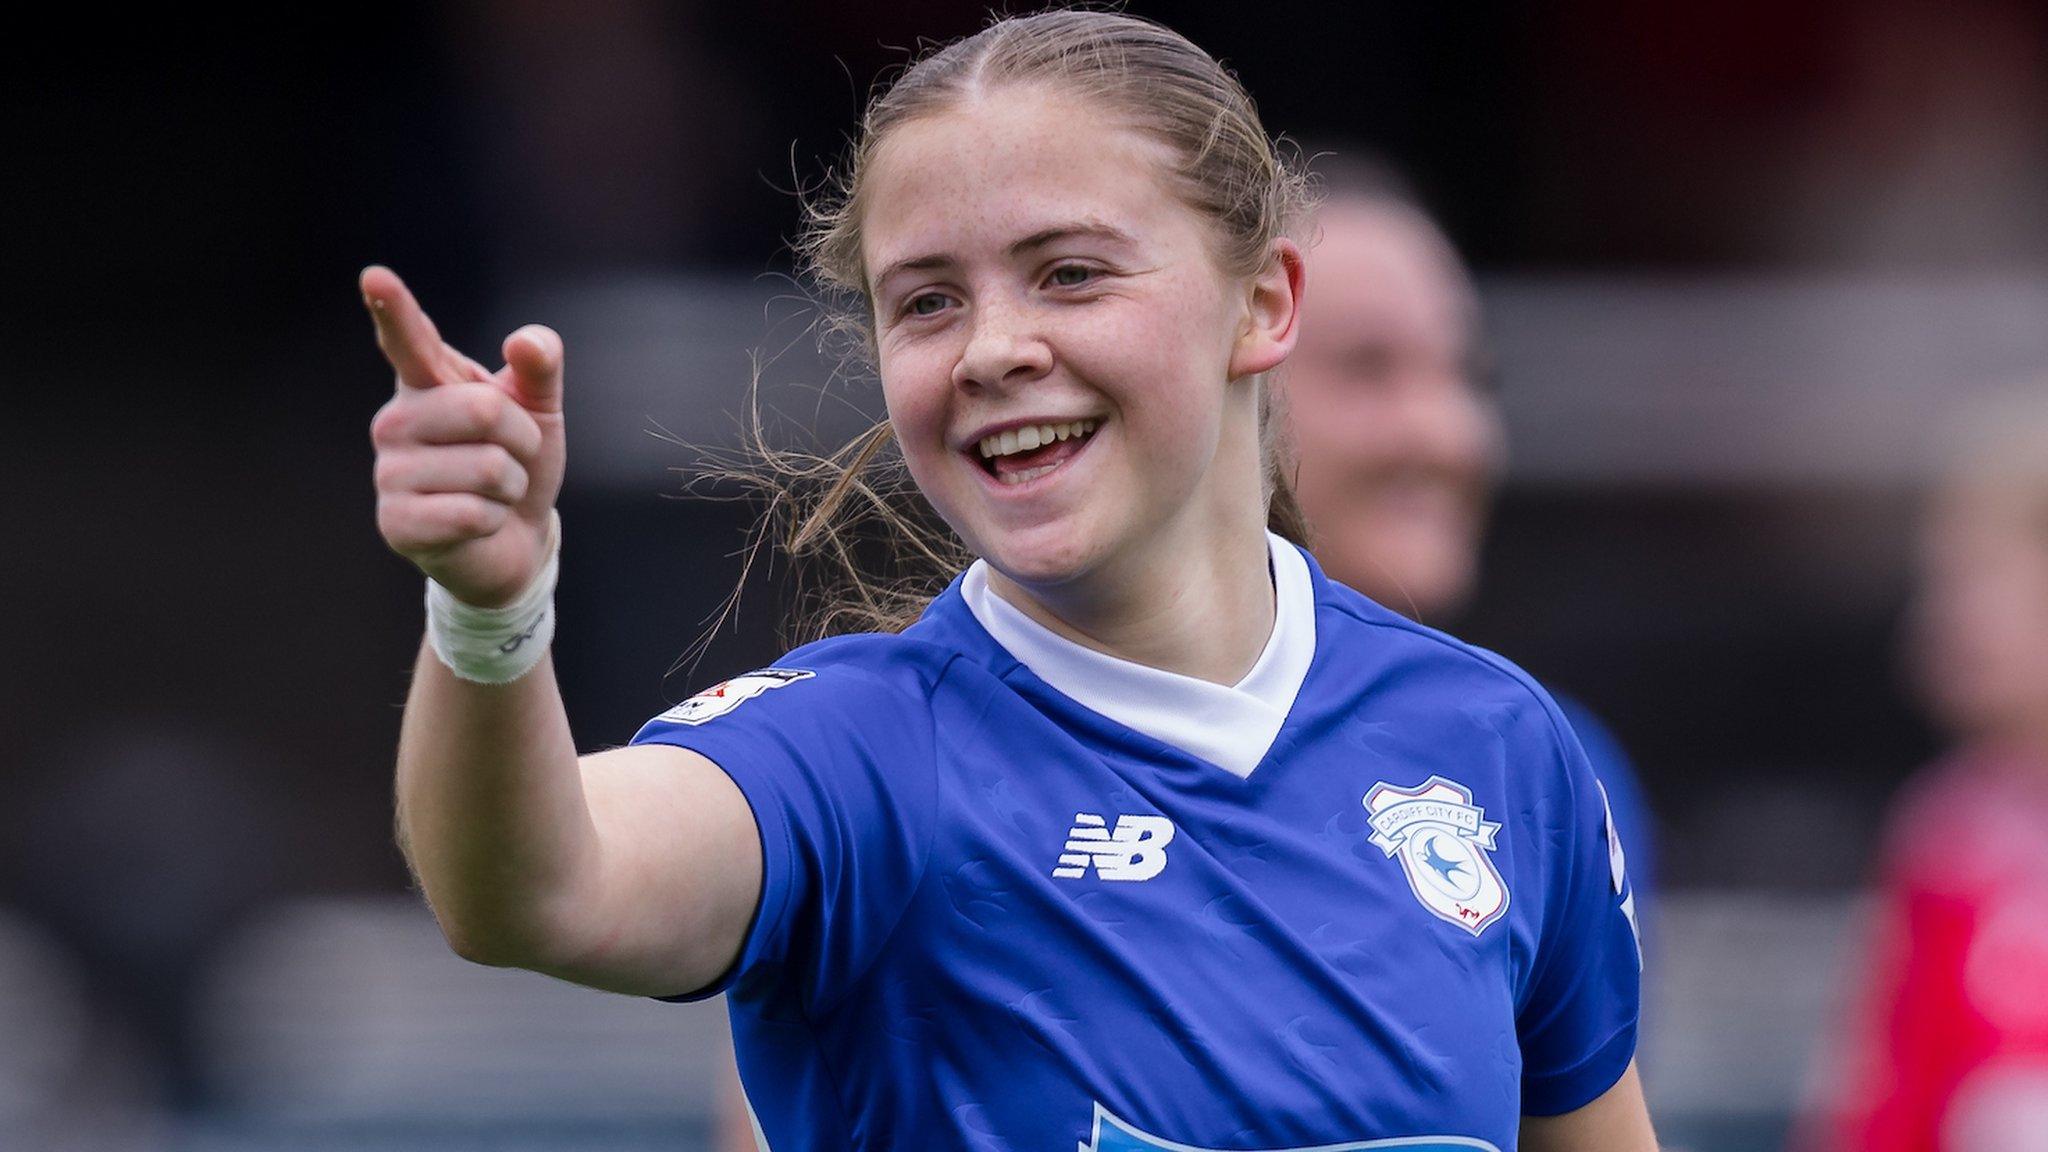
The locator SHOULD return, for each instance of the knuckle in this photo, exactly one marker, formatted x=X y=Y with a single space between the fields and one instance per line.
x=469 y=517
x=530 y=434
x=388 y=426
x=396 y=526
x=515 y=483
x=503 y=472
x=490 y=517
x=481 y=409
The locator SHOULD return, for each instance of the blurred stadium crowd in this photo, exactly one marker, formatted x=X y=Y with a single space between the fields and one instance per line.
x=1750 y=274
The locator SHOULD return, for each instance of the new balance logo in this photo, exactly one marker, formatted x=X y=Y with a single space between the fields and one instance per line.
x=1136 y=850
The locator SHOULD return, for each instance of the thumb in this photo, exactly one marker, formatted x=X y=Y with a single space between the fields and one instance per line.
x=533 y=368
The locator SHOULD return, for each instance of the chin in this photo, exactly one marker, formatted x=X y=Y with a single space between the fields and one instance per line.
x=1435 y=569
x=1039 y=562
x=1051 y=552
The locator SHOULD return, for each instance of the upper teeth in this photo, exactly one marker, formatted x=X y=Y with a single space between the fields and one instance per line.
x=1033 y=436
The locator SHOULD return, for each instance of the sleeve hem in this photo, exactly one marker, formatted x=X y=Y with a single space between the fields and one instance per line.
x=1557 y=1093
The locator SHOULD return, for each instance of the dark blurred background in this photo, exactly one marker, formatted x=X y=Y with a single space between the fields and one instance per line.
x=1738 y=260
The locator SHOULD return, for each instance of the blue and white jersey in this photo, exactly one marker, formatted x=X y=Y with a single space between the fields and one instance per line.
x=1367 y=897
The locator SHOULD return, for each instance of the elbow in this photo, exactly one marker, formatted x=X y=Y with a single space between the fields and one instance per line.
x=489 y=946
x=470 y=935
x=503 y=937
x=487 y=937
x=470 y=941
x=481 y=924
x=477 y=947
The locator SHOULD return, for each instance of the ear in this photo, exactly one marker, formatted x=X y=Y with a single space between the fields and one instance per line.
x=1272 y=312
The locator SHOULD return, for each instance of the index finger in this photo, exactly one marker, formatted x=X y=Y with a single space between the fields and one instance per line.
x=407 y=338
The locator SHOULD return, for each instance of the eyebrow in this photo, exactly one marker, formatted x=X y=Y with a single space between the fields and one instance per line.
x=1093 y=229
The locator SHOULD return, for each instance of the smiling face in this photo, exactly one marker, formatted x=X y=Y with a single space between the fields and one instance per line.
x=1032 y=271
x=1396 y=447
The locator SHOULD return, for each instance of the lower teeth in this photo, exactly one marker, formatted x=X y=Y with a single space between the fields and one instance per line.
x=1027 y=474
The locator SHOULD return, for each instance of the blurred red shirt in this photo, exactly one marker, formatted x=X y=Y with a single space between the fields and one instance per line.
x=1949 y=1049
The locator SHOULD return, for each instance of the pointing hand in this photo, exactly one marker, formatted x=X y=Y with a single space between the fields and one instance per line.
x=469 y=461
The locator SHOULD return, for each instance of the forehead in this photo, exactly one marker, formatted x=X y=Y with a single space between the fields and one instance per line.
x=1382 y=265
x=1009 y=164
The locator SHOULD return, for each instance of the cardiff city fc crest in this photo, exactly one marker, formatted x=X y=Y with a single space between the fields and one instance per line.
x=1444 y=842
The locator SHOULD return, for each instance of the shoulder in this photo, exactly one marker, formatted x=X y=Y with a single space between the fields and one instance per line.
x=859 y=679
x=861 y=666
x=1415 y=660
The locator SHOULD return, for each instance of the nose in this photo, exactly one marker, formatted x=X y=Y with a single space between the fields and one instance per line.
x=1455 y=425
x=1003 y=348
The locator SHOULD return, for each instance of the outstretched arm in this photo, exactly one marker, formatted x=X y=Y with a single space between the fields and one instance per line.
x=635 y=870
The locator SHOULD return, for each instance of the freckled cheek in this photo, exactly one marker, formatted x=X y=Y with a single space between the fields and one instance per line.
x=915 y=391
x=918 y=412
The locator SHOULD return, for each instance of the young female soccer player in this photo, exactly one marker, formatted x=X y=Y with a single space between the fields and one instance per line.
x=1145 y=835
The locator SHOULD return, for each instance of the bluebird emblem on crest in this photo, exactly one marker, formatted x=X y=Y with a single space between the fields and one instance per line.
x=1443 y=867
x=1445 y=844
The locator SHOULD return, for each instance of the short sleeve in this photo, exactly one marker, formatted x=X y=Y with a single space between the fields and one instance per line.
x=1634 y=824
x=1577 y=1018
x=836 y=762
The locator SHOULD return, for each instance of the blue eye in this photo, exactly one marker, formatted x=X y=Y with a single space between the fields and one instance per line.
x=1072 y=275
x=925 y=304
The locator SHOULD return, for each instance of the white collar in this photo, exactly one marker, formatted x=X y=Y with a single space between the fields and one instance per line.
x=1231 y=727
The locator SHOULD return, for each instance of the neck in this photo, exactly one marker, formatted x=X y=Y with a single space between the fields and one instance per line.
x=1209 y=621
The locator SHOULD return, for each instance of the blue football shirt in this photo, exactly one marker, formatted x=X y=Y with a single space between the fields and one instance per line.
x=995 y=918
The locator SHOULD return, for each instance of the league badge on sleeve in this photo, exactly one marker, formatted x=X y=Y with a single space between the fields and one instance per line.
x=1444 y=842
x=721 y=698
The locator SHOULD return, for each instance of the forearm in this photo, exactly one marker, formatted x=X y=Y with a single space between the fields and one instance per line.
x=492 y=815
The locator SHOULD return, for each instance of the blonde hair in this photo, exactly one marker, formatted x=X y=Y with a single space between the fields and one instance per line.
x=1228 y=170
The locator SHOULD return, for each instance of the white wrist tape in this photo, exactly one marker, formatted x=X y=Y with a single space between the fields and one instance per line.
x=497 y=645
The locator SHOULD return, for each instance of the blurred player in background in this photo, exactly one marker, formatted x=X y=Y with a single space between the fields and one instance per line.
x=1948 y=1050
x=1397 y=440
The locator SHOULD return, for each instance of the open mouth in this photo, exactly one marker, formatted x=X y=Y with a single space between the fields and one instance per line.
x=1022 y=454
